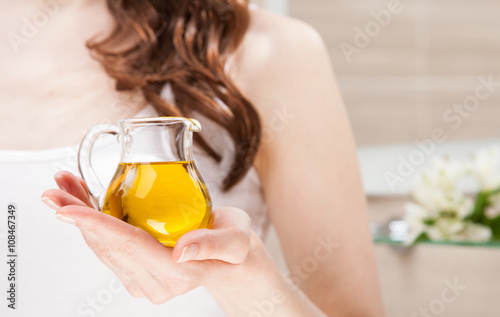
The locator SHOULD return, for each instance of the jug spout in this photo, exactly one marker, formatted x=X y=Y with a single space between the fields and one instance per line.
x=195 y=125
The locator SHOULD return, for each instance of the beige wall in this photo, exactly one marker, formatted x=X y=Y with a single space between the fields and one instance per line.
x=426 y=59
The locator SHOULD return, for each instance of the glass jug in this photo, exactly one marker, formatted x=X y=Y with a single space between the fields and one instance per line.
x=156 y=186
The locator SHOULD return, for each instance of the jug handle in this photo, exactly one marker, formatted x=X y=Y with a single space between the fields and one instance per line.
x=85 y=163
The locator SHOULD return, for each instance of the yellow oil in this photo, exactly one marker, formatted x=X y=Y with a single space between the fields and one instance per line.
x=166 y=199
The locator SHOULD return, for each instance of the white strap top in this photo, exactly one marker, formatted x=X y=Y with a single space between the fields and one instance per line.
x=58 y=275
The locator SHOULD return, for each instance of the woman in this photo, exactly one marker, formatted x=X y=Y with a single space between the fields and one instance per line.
x=263 y=81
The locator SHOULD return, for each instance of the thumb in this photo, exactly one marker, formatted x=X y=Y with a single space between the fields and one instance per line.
x=228 y=240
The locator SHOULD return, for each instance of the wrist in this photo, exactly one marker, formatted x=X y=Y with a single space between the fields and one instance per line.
x=256 y=285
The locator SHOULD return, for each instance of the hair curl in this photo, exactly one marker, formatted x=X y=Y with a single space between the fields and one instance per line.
x=185 y=44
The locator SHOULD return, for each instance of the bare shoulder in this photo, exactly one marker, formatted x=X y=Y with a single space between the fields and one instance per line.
x=282 y=31
x=276 y=46
x=284 y=69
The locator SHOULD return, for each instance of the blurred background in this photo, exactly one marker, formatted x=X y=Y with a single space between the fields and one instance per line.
x=407 y=69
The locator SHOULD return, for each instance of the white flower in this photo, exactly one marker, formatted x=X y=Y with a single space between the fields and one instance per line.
x=443 y=174
x=445 y=229
x=437 y=190
x=415 y=216
x=493 y=210
x=485 y=166
x=458 y=231
x=478 y=233
x=441 y=206
x=473 y=232
x=436 y=202
x=430 y=199
x=458 y=205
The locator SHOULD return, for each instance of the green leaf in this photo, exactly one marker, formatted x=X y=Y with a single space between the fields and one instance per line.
x=494 y=224
x=421 y=238
x=482 y=201
x=495 y=191
x=429 y=221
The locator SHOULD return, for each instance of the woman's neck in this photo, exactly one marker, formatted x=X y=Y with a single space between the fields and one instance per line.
x=49 y=82
x=36 y=25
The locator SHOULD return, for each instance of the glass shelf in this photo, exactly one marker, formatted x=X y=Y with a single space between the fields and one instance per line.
x=394 y=233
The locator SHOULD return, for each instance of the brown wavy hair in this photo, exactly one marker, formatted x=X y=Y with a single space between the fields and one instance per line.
x=185 y=43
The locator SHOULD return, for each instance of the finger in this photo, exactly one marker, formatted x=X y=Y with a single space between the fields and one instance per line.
x=228 y=240
x=115 y=244
x=127 y=282
x=118 y=248
x=141 y=283
x=154 y=290
x=123 y=248
x=126 y=270
x=93 y=200
x=108 y=228
x=56 y=198
x=71 y=184
x=84 y=185
x=115 y=236
x=133 y=290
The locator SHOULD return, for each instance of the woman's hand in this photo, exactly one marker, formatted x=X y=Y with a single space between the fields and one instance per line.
x=144 y=265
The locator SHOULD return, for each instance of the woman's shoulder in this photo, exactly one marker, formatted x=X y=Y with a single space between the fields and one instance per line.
x=277 y=53
x=269 y=25
x=273 y=40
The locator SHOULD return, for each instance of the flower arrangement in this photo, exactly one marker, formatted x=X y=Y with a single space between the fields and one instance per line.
x=444 y=210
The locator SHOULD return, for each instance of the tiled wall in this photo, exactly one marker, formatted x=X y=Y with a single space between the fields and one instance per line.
x=427 y=58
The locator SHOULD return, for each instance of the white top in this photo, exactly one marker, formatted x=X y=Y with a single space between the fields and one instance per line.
x=58 y=275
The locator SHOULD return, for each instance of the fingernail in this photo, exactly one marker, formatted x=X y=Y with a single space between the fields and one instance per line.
x=60 y=178
x=66 y=219
x=49 y=202
x=189 y=252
